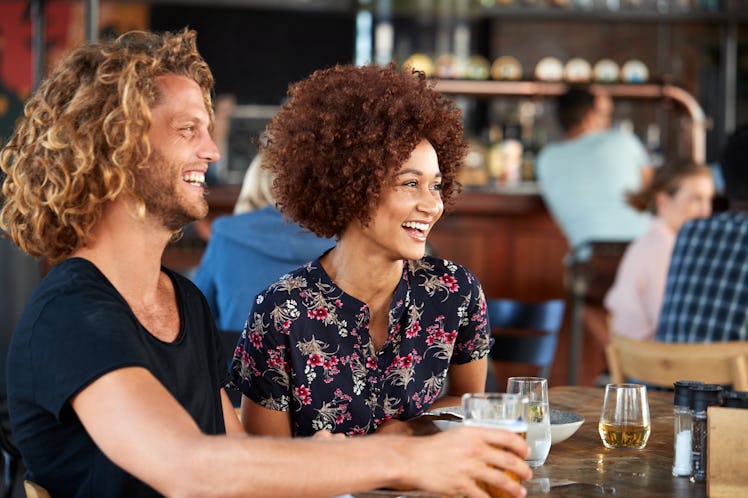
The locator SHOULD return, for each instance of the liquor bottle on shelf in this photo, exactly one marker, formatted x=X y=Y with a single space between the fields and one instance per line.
x=493 y=150
x=512 y=151
x=475 y=170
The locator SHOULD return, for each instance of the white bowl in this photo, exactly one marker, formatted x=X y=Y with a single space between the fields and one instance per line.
x=444 y=425
x=564 y=425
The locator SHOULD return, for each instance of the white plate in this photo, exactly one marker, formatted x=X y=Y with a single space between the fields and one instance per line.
x=634 y=71
x=563 y=424
x=506 y=67
x=549 y=69
x=606 y=71
x=577 y=70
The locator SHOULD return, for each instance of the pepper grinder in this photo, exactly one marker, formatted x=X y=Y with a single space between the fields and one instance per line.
x=703 y=396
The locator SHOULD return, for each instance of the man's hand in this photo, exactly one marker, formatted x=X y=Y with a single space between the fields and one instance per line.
x=454 y=461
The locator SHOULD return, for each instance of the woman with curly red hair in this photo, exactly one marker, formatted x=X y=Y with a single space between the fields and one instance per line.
x=365 y=337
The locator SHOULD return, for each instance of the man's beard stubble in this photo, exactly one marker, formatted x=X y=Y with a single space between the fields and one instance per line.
x=156 y=185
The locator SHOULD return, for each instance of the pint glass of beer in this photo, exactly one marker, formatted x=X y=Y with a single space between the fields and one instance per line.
x=497 y=411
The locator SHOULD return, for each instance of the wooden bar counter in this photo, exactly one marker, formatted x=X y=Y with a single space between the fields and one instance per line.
x=507 y=238
x=503 y=234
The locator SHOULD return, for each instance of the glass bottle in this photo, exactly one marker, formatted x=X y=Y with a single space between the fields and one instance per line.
x=703 y=396
x=682 y=427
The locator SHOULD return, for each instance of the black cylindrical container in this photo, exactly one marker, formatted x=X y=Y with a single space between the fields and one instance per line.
x=703 y=396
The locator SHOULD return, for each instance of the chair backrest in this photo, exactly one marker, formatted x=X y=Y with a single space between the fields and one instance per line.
x=525 y=332
x=661 y=363
x=740 y=372
x=10 y=454
x=229 y=339
x=33 y=490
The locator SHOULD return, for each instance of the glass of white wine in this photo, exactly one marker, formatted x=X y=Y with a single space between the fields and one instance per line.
x=624 y=419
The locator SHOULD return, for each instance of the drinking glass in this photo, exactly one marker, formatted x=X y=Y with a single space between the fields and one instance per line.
x=498 y=411
x=624 y=419
x=538 y=416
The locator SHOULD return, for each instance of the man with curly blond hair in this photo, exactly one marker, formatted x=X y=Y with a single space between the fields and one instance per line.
x=114 y=371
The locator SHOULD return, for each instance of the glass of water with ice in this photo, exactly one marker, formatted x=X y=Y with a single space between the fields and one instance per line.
x=539 y=419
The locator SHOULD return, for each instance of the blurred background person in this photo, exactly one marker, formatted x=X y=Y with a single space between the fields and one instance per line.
x=679 y=191
x=364 y=338
x=585 y=177
x=250 y=250
x=583 y=180
x=706 y=294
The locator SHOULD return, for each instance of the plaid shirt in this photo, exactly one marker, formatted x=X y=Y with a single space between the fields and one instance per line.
x=706 y=297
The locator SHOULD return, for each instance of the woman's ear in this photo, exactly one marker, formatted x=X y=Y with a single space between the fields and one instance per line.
x=661 y=200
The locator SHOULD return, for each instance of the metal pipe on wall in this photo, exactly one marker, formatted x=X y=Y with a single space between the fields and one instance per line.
x=38 y=49
x=92 y=20
x=729 y=76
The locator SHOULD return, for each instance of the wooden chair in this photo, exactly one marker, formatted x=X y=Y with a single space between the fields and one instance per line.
x=11 y=455
x=661 y=364
x=740 y=372
x=33 y=490
x=229 y=338
x=525 y=332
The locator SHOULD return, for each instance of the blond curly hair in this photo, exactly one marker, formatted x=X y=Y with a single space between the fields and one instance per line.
x=84 y=135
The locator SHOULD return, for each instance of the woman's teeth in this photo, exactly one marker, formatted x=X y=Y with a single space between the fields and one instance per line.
x=416 y=226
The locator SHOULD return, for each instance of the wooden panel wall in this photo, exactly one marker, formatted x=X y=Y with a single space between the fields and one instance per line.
x=509 y=241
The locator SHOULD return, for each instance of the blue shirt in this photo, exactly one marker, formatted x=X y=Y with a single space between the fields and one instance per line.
x=306 y=348
x=706 y=295
x=245 y=254
x=584 y=182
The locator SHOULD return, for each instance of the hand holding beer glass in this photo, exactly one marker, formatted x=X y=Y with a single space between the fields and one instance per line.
x=497 y=411
x=624 y=419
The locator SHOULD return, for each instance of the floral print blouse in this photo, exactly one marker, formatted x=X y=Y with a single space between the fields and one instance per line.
x=306 y=349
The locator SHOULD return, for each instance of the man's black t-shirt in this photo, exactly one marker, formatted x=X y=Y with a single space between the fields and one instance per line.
x=76 y=327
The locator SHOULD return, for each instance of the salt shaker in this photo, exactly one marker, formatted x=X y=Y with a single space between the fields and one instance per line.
x=682 y=427
x=703 y=396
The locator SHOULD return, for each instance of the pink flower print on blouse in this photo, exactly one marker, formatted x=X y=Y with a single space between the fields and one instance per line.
x=319 y=313
x=303 y=394
x=450 y=282
x=413 y=330
x=316 y=360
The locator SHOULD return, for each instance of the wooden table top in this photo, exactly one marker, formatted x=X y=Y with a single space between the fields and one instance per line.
x=581 y=466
